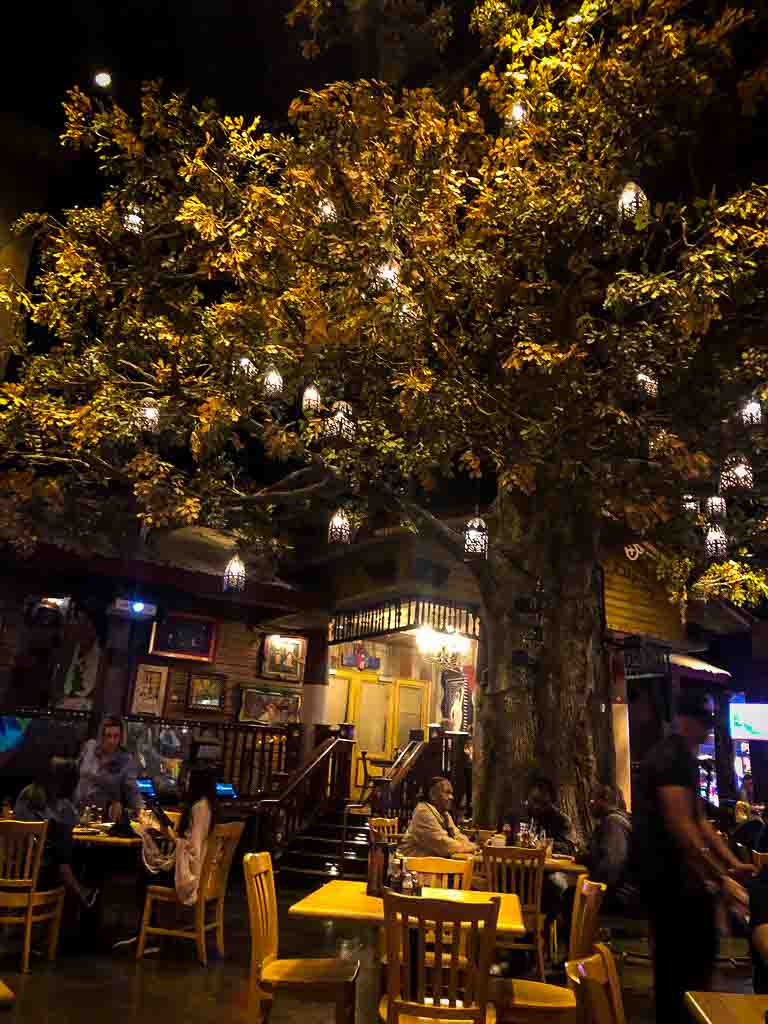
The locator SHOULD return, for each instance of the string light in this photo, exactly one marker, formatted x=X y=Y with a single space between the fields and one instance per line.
x=234 y=574
x=387 y=274
x=133 y=221
x=517 y=114
x=102 y=79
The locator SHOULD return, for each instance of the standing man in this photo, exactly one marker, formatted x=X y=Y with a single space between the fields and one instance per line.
x=682 y=865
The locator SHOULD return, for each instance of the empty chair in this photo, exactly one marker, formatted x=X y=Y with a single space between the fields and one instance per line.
x=387 y=829
x=586 y=913
x=21 y=852
x=760 y=860
x=450 y=982
x=441 y=872
x=325 y=980
x=518 y=870
x=596 y=986
x=222 y=843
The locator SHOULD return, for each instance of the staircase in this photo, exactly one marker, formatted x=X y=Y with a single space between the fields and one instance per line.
x=316 y=854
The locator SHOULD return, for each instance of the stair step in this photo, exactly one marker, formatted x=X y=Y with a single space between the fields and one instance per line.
x=315 y=873
x=331 y=841
x=327 y=855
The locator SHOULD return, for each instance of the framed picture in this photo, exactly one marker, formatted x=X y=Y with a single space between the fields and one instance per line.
x=269 y=707
x=149 y=690
x=284 y=657
x=206 y=692
x=190 y=637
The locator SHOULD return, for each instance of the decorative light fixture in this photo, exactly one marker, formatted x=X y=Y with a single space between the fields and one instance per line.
x=102 y=79
x=517 y=114
x=690 y=505
x=716 y=542
x=476 y=538
x=715 y=508
x=736 y=474
x=631 y=201
x=447 y=648
x=326 y=211
x=133 y=220
x=234 y=575
x=339 y=528
x=341 y=424
x=149 y=413
x=310 y=400
x=647 y=383
x=387 y=274
x=272 y=382
x=751 y=413
x=246 y=366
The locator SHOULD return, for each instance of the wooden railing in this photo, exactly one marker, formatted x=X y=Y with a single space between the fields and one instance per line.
x=319 y=786
x=256 y=759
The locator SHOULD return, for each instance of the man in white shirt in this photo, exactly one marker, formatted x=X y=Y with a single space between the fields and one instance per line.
x=432 y=832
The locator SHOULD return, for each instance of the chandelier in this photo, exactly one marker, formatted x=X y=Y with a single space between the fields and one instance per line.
x=448 y=648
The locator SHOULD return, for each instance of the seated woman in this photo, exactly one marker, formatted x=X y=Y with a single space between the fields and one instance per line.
x=431 y=831
x=49 y=799
x=108 y=773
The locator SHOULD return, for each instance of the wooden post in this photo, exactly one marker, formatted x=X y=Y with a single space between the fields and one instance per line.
x=724 y=770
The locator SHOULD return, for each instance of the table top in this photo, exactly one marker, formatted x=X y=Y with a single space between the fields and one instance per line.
x=726 y=1008
x=348 y=901
x=80 y=835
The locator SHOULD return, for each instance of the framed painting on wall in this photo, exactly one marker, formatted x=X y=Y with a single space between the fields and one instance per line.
x=149 y=690
x=206 y=692
x=284 y=657
x=269 y=707
x=189 y=637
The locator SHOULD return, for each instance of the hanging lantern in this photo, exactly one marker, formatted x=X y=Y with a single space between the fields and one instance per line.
x=751 y=413
x=310 y=400
x=246 y=366
x=133 y=221
x=736 y=474
x=149 y=414
x=387 y=274
x=326 y=211
x=631 y=201
x=476 y=538
x=517 y=114
x=716 y=542
x=341 y=424
x=272 y=382
x=647 y=383
x=715 y=508
x=690 y=505
x=234 y=574
x=339 y=528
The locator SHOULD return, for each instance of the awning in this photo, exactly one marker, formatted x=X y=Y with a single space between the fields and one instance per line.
x=695 y=668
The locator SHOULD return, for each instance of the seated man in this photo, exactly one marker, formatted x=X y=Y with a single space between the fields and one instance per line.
x=432 y=832
x=545 y=814
x=608 y=848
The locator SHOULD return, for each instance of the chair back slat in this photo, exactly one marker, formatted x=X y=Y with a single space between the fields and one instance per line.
x=441 y=872
x=760 y=860
x=386 y=829
x=222 y=843
x=595 y=984
x=450 y=975
x=584 y=921
x=21 y=851
x=518 y=870
x=262 y=910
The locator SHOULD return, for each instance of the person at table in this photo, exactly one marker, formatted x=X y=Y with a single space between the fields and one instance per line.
x=681 y=864
x=431 y=831
x=49 y=799
x=546 y=816
x=108 y=773
x=607 y=853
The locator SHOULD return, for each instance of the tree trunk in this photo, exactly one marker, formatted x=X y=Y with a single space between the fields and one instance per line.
x=551 y=718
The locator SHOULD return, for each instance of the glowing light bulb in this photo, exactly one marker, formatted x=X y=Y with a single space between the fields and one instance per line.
x=103 y=79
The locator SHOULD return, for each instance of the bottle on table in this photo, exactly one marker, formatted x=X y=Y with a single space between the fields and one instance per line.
x=395 y=873
x=407 y=884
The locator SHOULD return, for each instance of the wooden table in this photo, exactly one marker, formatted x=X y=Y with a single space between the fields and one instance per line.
x=85 y=836
x=726 y=1008
x=348 y=901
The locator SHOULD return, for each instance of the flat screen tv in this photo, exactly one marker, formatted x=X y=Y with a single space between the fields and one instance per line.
x=749 y=721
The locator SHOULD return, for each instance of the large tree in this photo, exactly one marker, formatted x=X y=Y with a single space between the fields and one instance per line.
x=468 y=266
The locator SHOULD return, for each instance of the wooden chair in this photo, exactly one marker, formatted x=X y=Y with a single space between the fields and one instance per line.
x=586 y=912
x=322 y=980
x=442 y=872
x=596 y=985
x=222 y=843
x=518 y=870
x=387 y=828
x=444 y=984
x=760 y=860
x=7 y=997
x=21 y=852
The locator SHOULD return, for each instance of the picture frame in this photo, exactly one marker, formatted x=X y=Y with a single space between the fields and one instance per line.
x=206 y=691
x=284 y=657
x=149 y=690
x=269 y=707
x=187 y=637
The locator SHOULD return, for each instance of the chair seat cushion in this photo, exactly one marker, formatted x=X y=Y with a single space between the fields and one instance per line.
x=535 y=994
x=310 y=972
x=407 y=1018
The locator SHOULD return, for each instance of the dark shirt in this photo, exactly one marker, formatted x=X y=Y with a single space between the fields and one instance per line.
x=758 y=915
x=656 y=856
x=609 y=849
